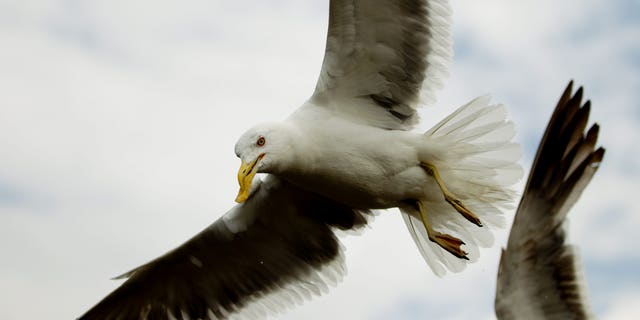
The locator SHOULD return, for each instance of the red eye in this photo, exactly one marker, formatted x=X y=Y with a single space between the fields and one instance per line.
x=260 y=142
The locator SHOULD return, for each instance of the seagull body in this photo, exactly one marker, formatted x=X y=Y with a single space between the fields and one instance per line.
x=346 y=151
x=360 y=166
x=467 y=157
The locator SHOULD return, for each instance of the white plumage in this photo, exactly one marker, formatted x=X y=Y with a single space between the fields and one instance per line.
x=479 y=164
x=367 y=167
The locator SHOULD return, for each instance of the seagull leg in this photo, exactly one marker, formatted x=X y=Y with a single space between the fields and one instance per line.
x=446 y=241
x=450 y=197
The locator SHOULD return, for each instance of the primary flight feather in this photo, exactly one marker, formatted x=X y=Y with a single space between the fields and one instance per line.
x=346 y=151
x=540 y=276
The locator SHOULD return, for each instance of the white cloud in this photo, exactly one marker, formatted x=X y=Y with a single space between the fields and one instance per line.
x=117 y=130
x=624 y=306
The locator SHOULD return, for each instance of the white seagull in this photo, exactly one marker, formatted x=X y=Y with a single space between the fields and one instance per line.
x=540 y=276
x=346 y=151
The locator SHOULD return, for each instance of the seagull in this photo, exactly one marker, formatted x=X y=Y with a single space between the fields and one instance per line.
x=540 y=276
x=347 y=151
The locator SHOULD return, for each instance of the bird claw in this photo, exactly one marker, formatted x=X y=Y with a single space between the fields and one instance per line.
x=445 y=241
x=450 y=243
x=462 y=209
x=450 y=197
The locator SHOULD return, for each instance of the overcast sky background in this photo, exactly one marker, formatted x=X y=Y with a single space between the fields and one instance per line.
x=118 y=120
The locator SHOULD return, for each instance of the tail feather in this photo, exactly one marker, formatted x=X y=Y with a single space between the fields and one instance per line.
x=476 y=111
x=479 y=165
x=438 y=260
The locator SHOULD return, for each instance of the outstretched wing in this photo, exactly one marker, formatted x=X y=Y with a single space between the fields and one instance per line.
x=384 y=57
x=280 y=242
x=540 y=277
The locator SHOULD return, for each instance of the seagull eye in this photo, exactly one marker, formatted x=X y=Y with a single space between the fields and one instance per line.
x=260 y=142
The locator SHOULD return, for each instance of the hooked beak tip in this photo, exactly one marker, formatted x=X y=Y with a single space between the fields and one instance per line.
x=245 y=178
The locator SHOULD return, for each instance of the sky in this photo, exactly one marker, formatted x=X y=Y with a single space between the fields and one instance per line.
x=118 y=121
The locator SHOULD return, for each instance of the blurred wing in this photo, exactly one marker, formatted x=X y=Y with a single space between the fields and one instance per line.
x=540 y=277
x=384 y=57
x=278 y=244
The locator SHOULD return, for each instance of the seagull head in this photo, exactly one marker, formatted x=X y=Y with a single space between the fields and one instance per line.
x=265 y=148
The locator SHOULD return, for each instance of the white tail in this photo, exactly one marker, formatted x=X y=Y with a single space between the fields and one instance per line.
x=478 y=165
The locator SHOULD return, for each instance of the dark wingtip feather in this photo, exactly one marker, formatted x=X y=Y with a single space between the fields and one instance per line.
x=599 y=154
x=289 y=239
x=537 y=259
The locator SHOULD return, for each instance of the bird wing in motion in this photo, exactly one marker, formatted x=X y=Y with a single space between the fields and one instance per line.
x=383 y=57
x=280 y=244
x=540 y=276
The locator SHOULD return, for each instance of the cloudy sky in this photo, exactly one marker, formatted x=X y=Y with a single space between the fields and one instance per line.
x=118 y=120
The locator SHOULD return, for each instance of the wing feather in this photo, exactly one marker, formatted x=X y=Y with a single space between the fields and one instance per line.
x=540 y=276
x=383 y=58
x=280 y=241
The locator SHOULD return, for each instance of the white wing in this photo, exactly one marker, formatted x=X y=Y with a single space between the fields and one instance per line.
x=540 y=277
x=269 y=253
x=384 y=57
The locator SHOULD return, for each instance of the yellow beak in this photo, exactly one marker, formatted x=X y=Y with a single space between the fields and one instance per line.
x=245 y=177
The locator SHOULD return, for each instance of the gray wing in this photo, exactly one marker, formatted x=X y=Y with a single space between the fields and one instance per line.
x=384 y=57
x=280 y=242
x=540 y=276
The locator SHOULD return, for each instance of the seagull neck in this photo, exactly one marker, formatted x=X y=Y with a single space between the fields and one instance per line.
x=298 y=151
